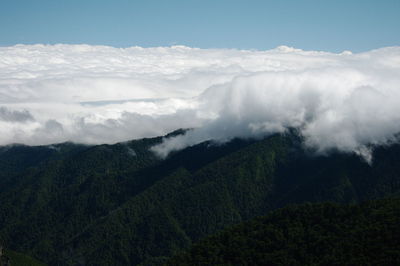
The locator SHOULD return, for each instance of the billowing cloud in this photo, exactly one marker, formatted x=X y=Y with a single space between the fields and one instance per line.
x=99 y=94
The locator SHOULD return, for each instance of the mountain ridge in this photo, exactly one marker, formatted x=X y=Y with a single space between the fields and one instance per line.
x=104 y=204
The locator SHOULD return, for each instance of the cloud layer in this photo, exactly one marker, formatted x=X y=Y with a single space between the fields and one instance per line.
x=99 y=94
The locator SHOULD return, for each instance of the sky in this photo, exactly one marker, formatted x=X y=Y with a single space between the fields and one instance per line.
x=111 y=71
x=356 y=25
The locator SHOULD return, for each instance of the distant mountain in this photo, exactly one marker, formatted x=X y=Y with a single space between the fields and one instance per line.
x=69 y=204
x=309 y=234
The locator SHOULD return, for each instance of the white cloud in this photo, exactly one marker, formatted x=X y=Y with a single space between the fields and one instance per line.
x=99 y=94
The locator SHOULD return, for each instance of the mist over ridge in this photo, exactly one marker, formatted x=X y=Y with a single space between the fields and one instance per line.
x=100 y=94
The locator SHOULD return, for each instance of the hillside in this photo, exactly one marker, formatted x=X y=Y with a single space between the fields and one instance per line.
x=19 y=259
x=308 y=234
x=120 y=204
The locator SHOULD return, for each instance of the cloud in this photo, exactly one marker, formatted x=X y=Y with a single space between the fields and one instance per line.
x=99 y=94
x=15 y=116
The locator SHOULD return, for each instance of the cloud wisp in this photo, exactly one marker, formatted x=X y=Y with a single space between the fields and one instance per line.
x=99 y=94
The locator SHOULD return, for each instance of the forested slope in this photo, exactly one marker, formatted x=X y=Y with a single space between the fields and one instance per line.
x=120 y=204
x=308 y=234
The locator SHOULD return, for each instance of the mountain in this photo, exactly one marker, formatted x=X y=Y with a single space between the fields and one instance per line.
x=17 y=259
x=308 y=234
x=70 y=204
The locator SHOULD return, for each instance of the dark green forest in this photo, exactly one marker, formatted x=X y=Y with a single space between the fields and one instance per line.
x=308 y=234
x=70 y=204
x=19 y=259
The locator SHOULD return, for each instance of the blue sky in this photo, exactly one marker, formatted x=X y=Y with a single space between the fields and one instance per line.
x=308 y=24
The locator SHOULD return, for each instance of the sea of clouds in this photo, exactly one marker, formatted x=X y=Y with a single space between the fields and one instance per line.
x=99 y=94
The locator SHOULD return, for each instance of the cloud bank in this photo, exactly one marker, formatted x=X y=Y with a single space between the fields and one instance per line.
x=99 y=94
